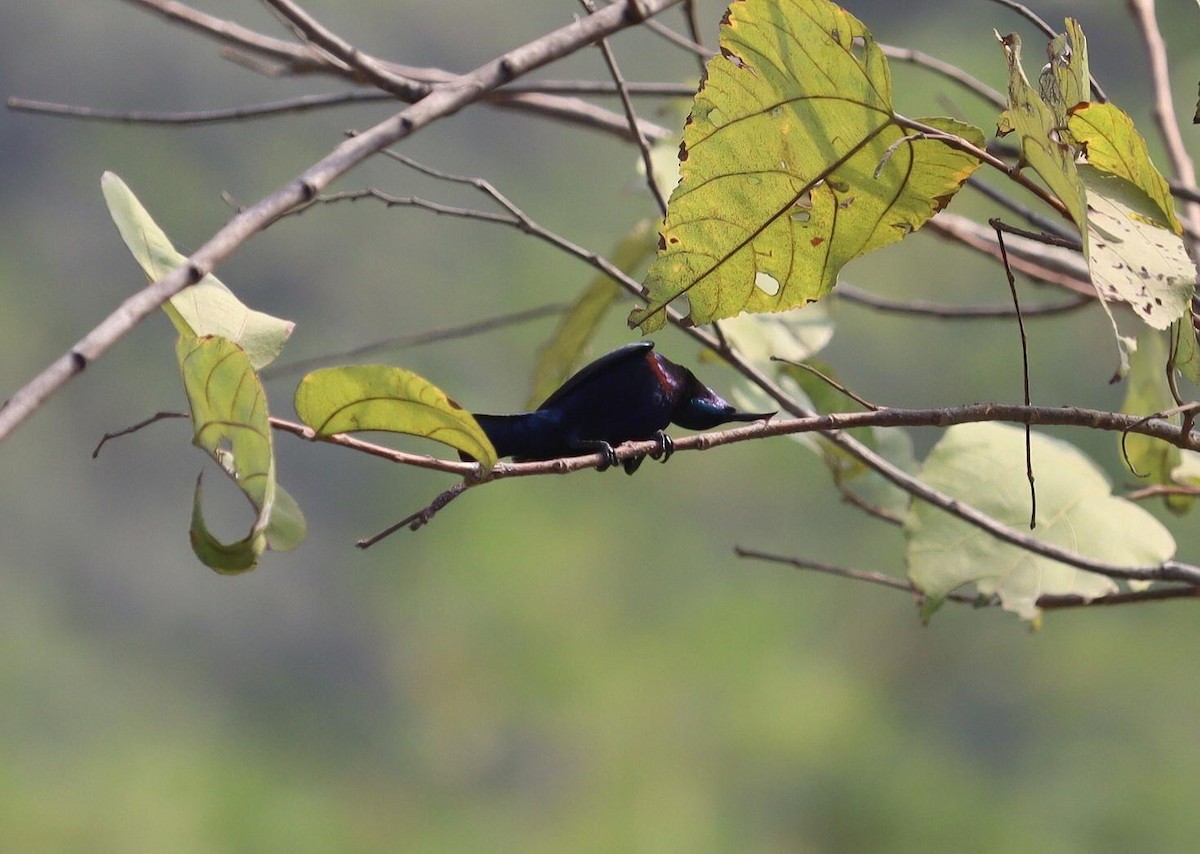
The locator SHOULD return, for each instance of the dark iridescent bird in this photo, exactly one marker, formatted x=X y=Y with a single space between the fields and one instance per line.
x=629 y=394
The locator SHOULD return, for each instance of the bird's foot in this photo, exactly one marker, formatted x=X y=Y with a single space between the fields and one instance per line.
x=610 y=455
x=666 y=447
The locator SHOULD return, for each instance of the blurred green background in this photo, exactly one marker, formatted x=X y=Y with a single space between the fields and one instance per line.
x=556 y=664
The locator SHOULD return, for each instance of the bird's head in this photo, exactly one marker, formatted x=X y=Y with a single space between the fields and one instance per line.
x=703 y=408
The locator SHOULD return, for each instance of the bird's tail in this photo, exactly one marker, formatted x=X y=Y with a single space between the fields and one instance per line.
x=521 y=436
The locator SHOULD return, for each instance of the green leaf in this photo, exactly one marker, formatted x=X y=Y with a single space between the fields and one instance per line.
x=230 y=422
x=1040 y=130
x=984 y=464
x=225 y=558
x=559 y=356
x=1114 y=146
x=1132 y=259
x=286 y=529
x=206 y=308
x=792 y=165
x=381 y=397
x=1152 y=459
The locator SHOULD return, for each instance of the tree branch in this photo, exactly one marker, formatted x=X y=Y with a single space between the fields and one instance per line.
x=1047 y=602
x=442 y=102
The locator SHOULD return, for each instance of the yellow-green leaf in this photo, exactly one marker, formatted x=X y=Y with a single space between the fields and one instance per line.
x=1065 y=81
x=1114 y=146
x=206 y=308
x=381 y=397
x=792 y=164
x=230 y=422
x=558 y=357
x=984 y=465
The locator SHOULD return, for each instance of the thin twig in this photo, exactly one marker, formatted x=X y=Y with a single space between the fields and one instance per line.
x=302 y=104
x=1012 y=288
x=945 y=69
x=693 y=25
x=420 y=518
x=1062 y=267
x=828 y=380
x=853 y=498
x=133 y=428
x=366 y=66
x=1164 y=111
x=985 y=156
x=1047 y=601
x=833 y=427
x=1162 y=490
x=941 y=311
x=1026 y=213
x=415 y=339
x=1031 y=16
x=298 y=59
x=643 y=144
x=442 y=102
x=253 y=49
x=690 y=45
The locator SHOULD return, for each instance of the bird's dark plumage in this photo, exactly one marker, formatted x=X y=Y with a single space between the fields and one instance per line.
x=629 y=394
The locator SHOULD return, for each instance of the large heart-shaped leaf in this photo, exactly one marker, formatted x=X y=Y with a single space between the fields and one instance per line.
x=792 y=164
x=984 y=464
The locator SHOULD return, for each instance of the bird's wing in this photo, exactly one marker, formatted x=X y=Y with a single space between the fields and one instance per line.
x=638 y=349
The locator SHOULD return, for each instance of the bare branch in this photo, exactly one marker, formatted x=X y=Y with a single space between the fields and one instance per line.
x=643 y=145
x=290 y=58
x=365 y=66
x=440 y=103
x=1029 y=15
x=1035 y=259
x=302 y=104
x=1047 y=602
x=941 y=311
x=133 y=428
x=416 y=339
x=945 y=69
x=1164 y=111
x=985 y=156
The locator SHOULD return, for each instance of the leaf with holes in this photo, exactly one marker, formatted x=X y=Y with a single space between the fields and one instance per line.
x=381 y=397
x=793 y=164
x=207 y=307
x=1131 y=257
x=230 y=422
x=984 y=464
x=1041 y=130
